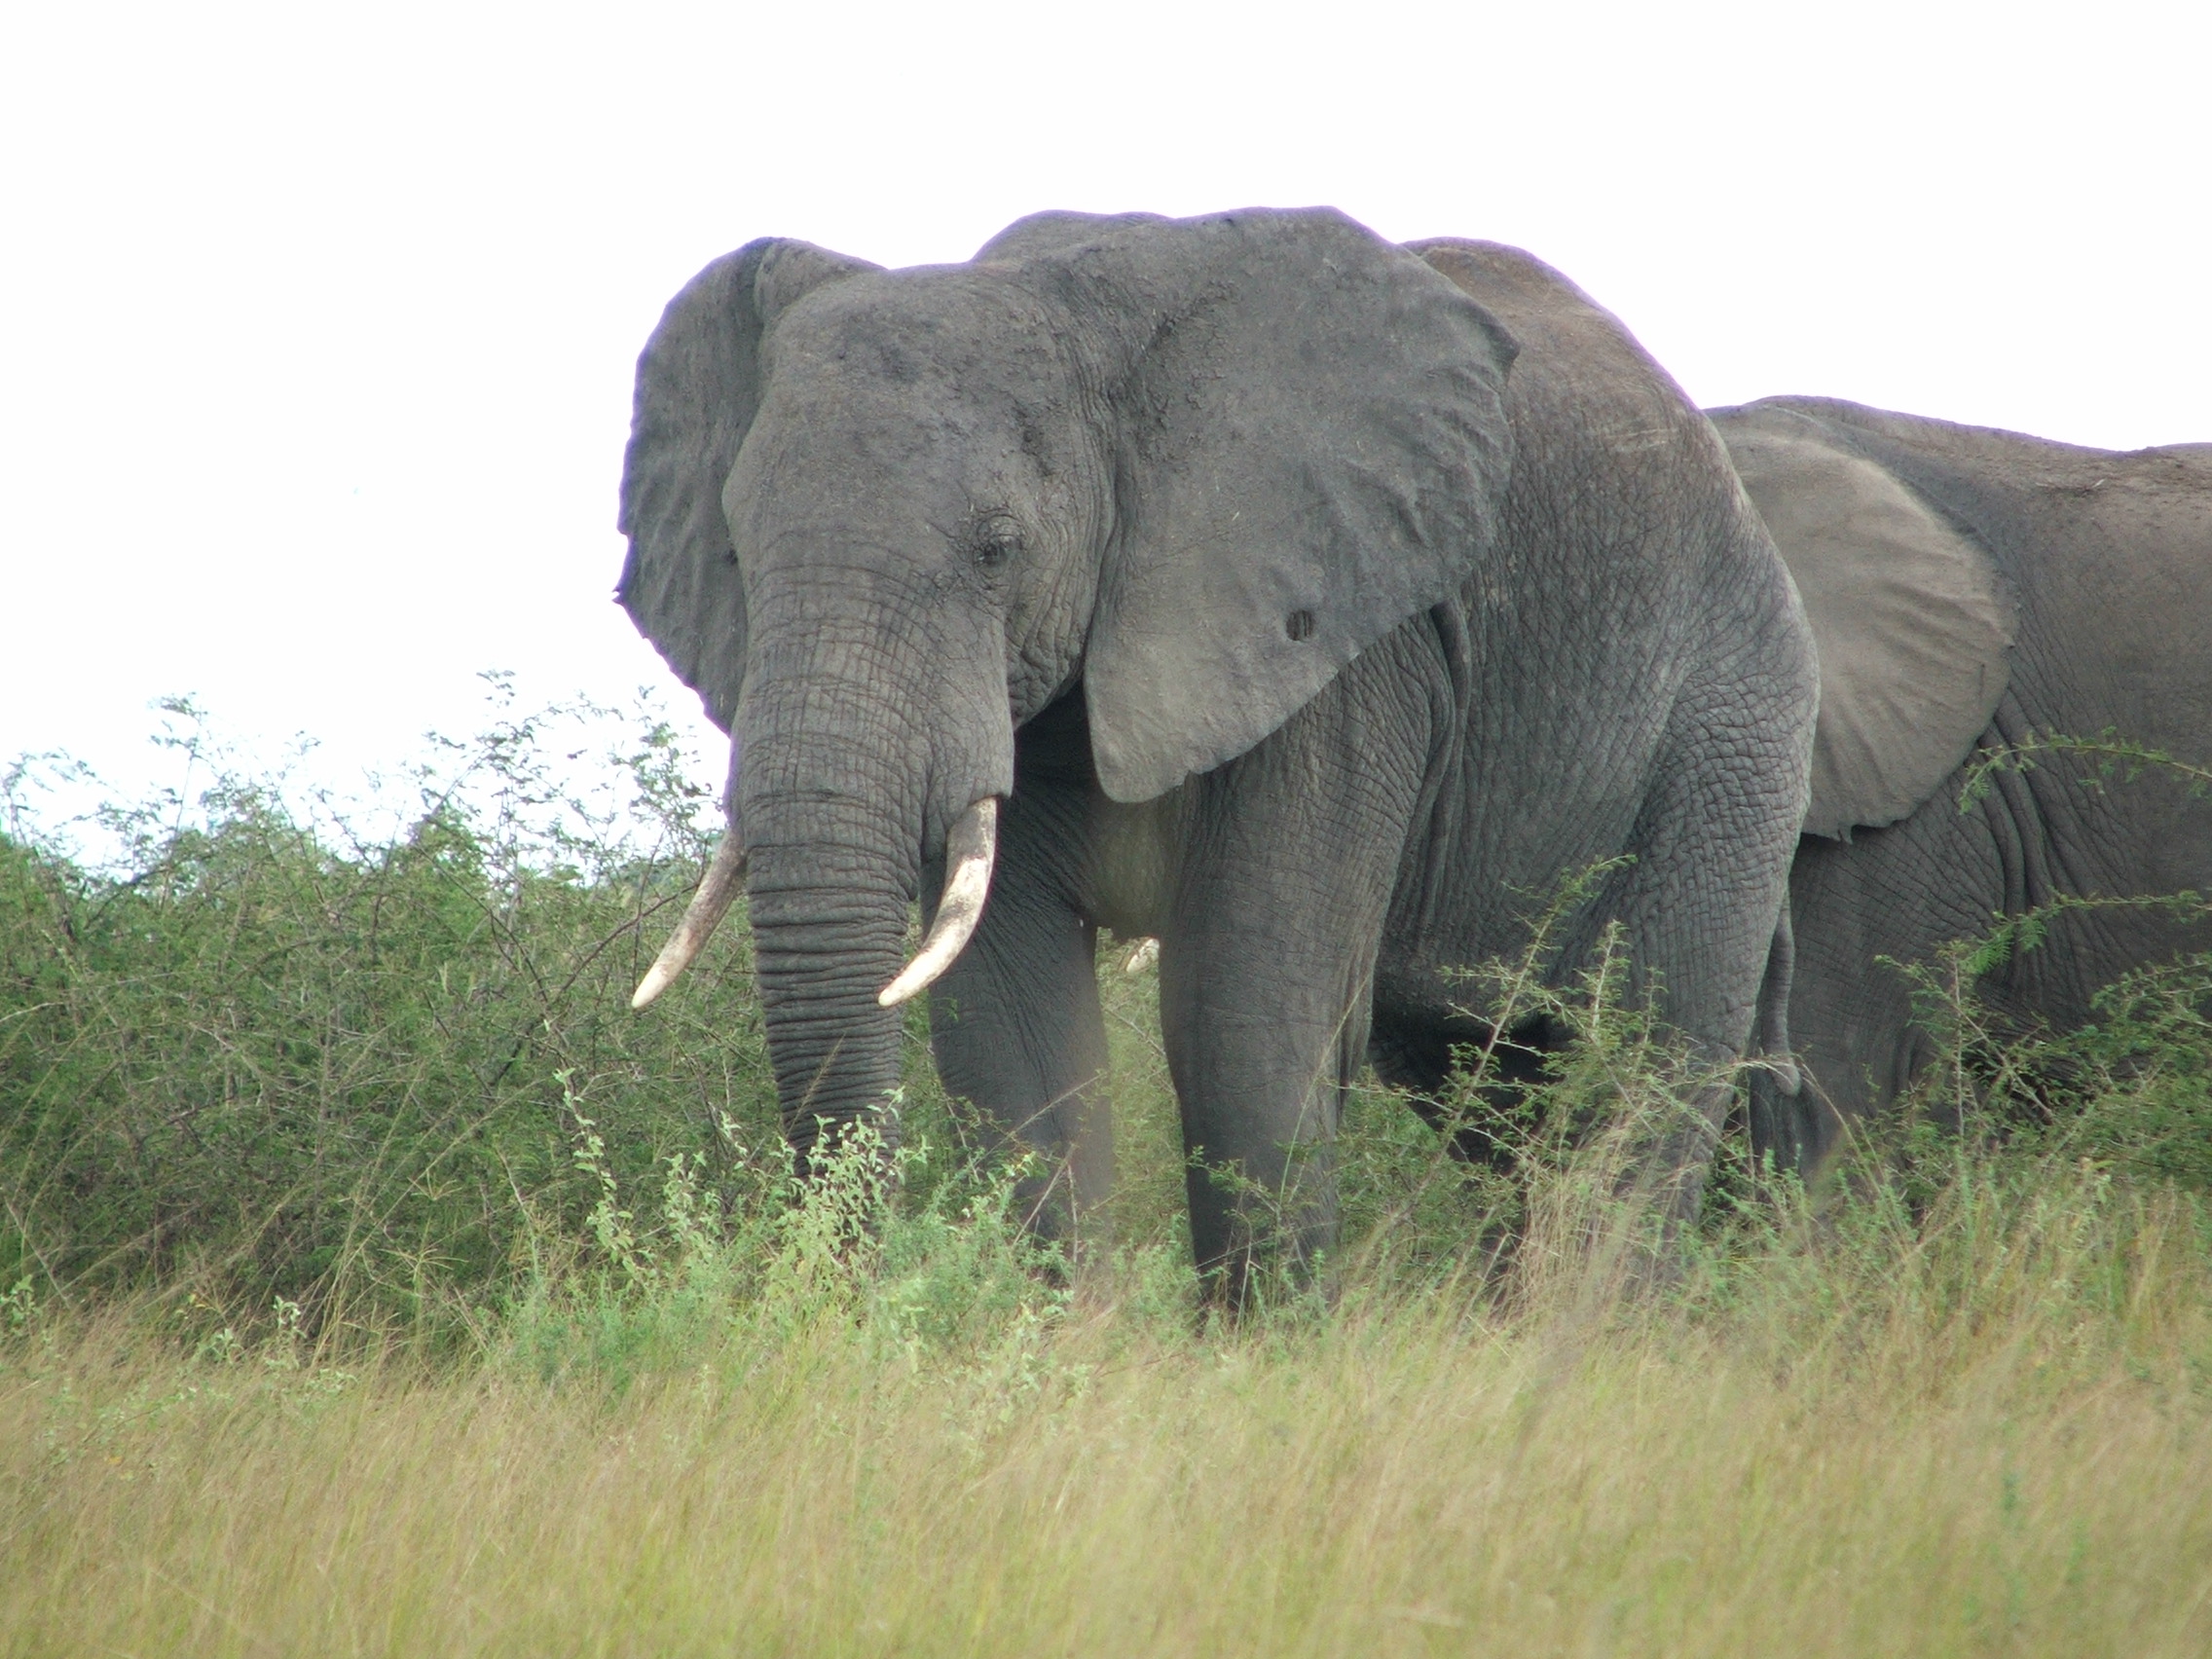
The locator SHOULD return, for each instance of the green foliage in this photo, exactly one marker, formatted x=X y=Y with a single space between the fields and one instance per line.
x=2113 y=759
x=883 y=1241
x=287 y=1076
x=2130 y=1090
x=267 y=1056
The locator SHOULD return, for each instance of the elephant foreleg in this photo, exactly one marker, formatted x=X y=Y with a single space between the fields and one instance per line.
x=1267 y=964
x=1016 y=1028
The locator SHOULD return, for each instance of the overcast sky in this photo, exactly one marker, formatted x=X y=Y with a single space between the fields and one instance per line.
x=318 y=322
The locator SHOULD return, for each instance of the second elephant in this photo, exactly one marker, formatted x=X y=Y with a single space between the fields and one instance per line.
x=1971 y=590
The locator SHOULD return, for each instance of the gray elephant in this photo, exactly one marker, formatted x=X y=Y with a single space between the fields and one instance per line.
x=1305 y=600
x=1972 y=589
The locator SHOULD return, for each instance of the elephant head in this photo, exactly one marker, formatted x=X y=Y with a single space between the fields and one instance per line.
x=878 y=519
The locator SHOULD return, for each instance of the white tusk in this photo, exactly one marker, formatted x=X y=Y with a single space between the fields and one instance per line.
x=969 y=852
x=1146 y=953
x=723 y=879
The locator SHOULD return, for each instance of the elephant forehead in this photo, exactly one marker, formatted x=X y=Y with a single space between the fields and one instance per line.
x=884 y=467
x=904 y=396
x=833 y=422
x=947 y=329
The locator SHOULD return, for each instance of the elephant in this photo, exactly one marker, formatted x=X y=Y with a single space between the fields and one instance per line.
x=1303 y=600
x=1971 y=590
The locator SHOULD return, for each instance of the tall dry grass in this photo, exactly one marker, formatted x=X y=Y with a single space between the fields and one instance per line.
x=1981 y=1430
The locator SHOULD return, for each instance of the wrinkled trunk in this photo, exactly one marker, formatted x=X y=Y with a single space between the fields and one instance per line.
x=871 y=718
x=829 y=801
x=829 y=908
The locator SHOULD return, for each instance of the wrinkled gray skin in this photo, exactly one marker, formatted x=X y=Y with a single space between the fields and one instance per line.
x=1309 y=607
x=2099 y=566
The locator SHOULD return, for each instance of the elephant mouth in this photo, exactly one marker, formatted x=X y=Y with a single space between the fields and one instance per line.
x=970 y=854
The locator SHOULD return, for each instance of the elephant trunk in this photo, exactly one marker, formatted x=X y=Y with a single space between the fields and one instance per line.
x=850 y=791
x=828 y=924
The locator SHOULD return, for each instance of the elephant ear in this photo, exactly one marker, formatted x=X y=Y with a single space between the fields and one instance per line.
x=1311 y=447
x=1911 y=618
x=698 y=386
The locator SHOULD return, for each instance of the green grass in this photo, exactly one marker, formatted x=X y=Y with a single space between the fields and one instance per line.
x=372 y=1281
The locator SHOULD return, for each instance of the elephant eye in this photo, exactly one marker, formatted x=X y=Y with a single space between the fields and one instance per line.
x=996 y=539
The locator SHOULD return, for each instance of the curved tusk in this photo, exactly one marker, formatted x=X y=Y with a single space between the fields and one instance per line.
x=723 y=879
x=968 y=851
x=1143 y=956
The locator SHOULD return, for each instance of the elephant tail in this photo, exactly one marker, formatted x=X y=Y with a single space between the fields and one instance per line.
x=1771 y=1034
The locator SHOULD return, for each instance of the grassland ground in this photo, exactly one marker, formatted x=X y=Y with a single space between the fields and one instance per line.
x=1990 y=1444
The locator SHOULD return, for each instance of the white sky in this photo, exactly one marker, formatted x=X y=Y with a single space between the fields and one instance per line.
x=318 y=322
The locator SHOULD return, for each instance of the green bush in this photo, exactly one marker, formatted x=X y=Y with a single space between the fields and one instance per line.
x=264 y=1056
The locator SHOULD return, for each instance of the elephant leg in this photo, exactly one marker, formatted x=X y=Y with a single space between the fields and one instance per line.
x=1267 y=964
x=1262 y=1049
x=1015 y=1024
x=1896 y=893
x=1700 y=905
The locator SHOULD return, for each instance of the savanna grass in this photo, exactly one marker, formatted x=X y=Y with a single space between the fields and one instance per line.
x=1981 y=1430
x=587 y=1372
